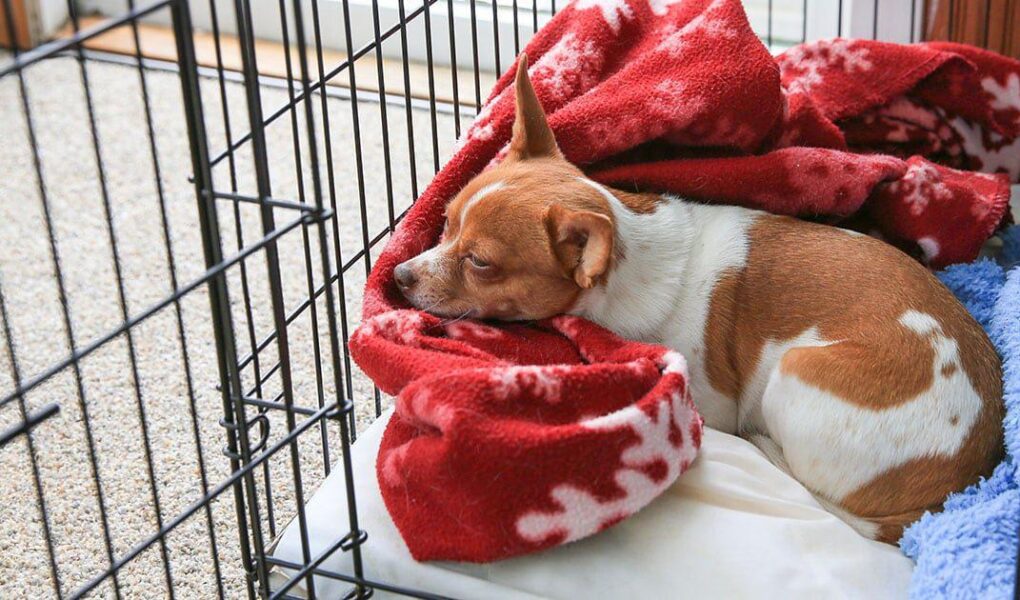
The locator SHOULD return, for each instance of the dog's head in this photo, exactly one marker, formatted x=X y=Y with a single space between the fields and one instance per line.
x=521 y=240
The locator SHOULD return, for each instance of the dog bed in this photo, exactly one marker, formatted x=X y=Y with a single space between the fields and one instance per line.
x=733 y=526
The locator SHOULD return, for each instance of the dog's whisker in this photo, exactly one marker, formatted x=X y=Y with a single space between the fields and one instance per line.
x=465 y=315
x=429 y=307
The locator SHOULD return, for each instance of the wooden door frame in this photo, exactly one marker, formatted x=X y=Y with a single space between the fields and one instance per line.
x=992 y=24
x=22 y=25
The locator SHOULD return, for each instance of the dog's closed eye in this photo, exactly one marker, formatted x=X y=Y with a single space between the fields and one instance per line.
x=480 y=267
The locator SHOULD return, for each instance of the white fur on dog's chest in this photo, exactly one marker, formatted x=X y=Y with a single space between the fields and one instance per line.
x=721 y=246
x=661 y=289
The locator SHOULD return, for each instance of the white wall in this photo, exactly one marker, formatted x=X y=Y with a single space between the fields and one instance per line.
x=46 y=18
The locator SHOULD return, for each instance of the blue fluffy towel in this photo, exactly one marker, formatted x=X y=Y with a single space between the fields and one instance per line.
x=969 y=550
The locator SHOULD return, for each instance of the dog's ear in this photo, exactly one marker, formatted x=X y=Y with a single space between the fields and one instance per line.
x=532 y=137
x=582 y=241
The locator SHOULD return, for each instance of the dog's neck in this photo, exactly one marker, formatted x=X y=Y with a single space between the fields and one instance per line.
x=651 y=257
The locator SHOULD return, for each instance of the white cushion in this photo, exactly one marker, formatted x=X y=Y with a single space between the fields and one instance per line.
x=732 y=526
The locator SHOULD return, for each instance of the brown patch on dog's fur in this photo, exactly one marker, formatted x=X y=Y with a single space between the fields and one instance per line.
x=901 y=495
x=721 y=358
x=890 y=527
x=785 y=289
x=639 y=203
x=772 y=300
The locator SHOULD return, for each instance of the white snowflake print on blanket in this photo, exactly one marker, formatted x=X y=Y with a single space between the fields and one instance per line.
x=460 y=330
x=929 y=247
x=981 y=210
x=807 y=62
x=581 y=513
x=612 y=11
x=418 y=407
x=570 y=68
x=919 y=186
x=540 y=380
x=1005 y=96
x=402 y=326
x=711 y=24
x=669 y=108
x=661 y=7
x=1004 y=158
x=483 y=128
x=673 y=362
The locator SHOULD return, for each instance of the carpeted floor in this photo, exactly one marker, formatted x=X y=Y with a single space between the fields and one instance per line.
x=68 y=460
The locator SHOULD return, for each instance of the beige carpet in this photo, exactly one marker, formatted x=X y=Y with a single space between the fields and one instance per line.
x=39 y=335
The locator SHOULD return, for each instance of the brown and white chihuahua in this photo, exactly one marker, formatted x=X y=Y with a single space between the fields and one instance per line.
x=847 y=363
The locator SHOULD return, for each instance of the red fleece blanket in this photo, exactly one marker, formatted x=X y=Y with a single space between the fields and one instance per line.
x=676 y=96
x=510 y=440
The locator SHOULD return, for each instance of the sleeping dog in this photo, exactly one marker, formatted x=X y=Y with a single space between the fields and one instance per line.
x=847 y=363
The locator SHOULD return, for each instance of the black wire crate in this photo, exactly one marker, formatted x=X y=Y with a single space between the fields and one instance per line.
x=176 y=310
x=185 y=241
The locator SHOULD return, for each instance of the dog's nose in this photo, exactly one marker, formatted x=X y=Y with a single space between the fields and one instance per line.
x=404 y=276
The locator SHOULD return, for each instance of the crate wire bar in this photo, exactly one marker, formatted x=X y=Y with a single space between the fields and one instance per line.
x=254 y=377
